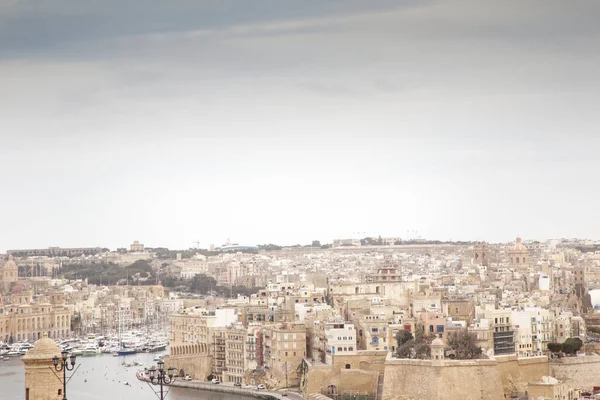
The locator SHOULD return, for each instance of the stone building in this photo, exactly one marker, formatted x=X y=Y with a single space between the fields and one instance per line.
x=235 y=340
x=459 y=308
x=136 y=247
x=550 y=388
x=40 y=379
x=285 y=348
x=372 y=332
x=481 y=254
x=9 y=275
x=189 y=344
x=518 y=255
x=26 y=321
x=198 y=338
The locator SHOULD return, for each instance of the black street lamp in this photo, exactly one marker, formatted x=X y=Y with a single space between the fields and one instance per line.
x=158 y=376
x=64 y=363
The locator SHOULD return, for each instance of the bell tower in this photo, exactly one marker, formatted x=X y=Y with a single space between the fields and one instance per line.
x=481 y=254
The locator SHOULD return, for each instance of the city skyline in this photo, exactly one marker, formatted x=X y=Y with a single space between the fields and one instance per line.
x=287 y=123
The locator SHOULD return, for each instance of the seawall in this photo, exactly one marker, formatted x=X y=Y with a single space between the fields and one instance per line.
x=209 y=387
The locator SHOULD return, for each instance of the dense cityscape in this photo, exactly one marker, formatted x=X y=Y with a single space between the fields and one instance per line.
x=299 y=200
x=372 y=317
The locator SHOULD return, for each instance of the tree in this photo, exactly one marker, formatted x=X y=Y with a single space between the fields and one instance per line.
x=577 y=342
x=403 y=337
x=203 y=284
x=316 y=243
x=554 y=347
x=568 y=348
x=422 y=351
x=406 y=350
x=572 y=345
x=464 y=344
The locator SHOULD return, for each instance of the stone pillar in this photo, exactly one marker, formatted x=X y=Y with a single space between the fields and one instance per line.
x=41 y=383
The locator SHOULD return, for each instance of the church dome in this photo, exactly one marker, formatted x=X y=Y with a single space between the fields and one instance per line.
x=43 y=349
x=10 y=264
x=437 y=342
x=518 y=247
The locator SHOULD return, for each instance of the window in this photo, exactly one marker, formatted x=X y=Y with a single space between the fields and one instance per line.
x=440 y=328
x=431 y=328
x=347 y=366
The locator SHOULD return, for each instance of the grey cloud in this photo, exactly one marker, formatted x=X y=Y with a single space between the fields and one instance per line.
x=35 y=25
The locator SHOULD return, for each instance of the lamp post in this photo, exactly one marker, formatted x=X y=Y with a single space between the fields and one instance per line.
x=158 y=376
x=64 y=363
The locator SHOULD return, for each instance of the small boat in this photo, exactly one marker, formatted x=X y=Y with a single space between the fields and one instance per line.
x=77 y=352
x=126 y=352
x=5 y=358
x=158 y=358
x=91 y=351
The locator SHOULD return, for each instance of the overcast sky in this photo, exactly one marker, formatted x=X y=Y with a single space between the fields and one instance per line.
x=287 y=121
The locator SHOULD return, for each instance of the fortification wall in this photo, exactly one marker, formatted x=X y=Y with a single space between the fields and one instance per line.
x=517 y=373
x=584 y=371
x=365 y=360
x=354 y=372
x=455 y=380
x=198 y=367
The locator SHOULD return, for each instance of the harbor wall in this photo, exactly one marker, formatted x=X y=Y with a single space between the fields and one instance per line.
x=209 y=387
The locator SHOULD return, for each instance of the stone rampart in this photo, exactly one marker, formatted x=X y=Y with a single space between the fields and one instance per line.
x=198 y=367
x=419 y=379
x=516 y=372
x=584 y=371
x=351 y=373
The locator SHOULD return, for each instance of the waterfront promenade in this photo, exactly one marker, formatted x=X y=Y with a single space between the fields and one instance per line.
x=246 y=390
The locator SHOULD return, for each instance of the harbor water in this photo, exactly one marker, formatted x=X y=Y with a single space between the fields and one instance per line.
x=101 y=377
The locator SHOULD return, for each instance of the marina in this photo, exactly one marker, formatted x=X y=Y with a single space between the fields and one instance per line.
x=97 y=376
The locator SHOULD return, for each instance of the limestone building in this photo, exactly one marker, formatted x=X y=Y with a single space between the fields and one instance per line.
x=285 y=348
x=40 y=380
x=9 y=275
x=235 y=340
x=23 y=319
x=551 y=388
x=481 y=254
x=518 y=255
